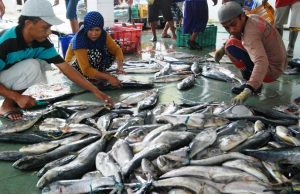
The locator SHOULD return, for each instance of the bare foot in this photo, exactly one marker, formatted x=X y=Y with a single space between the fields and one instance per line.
x=10 y=110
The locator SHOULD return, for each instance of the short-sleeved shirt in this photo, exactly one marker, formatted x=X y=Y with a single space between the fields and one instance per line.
x=13 y=49
x=265 y=48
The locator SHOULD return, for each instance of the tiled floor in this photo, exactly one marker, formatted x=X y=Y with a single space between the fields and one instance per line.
x=281 y=92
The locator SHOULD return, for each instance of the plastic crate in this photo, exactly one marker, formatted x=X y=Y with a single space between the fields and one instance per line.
x=129 y=25
x=128 y=38
x=266 y=12
x=204 y=39
x=64 y=43
x=135 y=11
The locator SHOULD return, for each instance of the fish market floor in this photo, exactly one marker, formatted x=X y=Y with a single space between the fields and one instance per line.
x=281 y=92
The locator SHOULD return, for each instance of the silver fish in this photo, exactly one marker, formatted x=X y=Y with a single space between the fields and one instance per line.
x=138 y=134
x=149 y=101
x=106 y=165
x=222 y=158
x=93 y=174
x=83 y=163
x=79 y=186
x=43 y=147
x=196 y=69
x=214 y=173
x=151 y=68
x=58 y=162
x=149 y=170
x=150 y=153
x=83 y=104
x=104 y=121
x=20 y=125
x=243 y=187
x=186 y=83
x=170 y=78
x=248 y=167
x=286 y=135
x=52 y=124
x=38 y=161
x=80 y=115
x=121 y=152
x=132 y=99
x=204 y=139
x=188 y=183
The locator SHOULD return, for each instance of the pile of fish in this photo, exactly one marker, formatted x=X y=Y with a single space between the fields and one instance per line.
x=171 y=69
x=202 y=148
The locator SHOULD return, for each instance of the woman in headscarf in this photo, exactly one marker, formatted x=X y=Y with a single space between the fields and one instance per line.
x=94 y=51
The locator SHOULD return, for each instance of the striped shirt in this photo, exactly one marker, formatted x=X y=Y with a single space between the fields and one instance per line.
x=13 y=49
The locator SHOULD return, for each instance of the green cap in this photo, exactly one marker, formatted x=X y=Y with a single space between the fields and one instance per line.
x=228 y=11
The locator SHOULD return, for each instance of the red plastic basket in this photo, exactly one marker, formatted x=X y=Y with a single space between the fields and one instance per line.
x=129 y=38
x=129 y=25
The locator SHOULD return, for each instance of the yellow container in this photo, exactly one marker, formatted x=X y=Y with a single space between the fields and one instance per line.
x=143 y=10
x=267 y=12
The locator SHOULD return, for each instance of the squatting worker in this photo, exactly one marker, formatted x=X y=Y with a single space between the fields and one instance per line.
x=92 y=51
x=255 y=47
x=23 y=51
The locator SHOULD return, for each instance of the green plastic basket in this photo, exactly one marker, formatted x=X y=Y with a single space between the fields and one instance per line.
x=204 y=39
x=135 y=11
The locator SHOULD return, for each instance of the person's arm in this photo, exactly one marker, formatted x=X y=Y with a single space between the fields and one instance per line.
x=77 y=78
x=2 y=9
x=115 y=50
x=258 y=55
x=23 y=101
x=87 y=70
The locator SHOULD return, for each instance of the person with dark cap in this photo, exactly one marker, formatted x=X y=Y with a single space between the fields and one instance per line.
x=95 y=51
x=24 y=51
x=255 y=47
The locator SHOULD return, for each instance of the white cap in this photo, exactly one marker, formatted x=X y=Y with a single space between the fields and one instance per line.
x=42 y=9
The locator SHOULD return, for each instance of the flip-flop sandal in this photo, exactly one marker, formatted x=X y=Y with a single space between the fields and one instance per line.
x=165 y=36
x=9 y=113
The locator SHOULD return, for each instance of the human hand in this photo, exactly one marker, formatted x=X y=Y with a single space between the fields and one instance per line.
x=25 y=101
x=107 y=99
x=114 y=81
x=239 y=99
x=219 y=54
x=120 y=68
